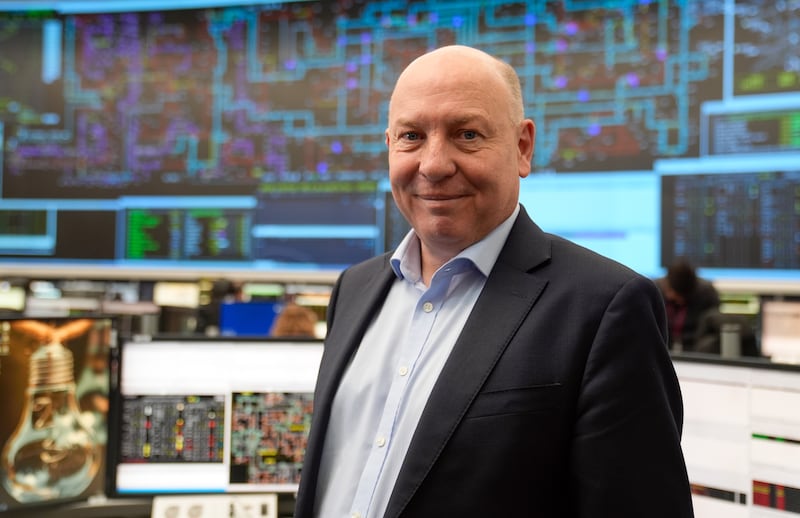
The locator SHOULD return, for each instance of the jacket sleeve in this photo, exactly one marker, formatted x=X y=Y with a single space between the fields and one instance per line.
x=626 y=457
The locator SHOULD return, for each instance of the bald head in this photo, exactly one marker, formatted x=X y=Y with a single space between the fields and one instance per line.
x=458 y=146
x=480 y=67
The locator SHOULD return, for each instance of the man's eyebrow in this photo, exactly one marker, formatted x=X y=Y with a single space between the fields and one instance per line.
x=467 y=118
x=403 y=122
x=456 y=120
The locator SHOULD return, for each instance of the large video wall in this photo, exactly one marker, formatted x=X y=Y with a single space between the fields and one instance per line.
x=251 y=136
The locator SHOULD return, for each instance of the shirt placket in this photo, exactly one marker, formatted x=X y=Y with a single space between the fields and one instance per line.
x=425 y=313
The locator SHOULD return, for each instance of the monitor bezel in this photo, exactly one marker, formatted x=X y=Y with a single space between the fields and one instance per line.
x=112 y=489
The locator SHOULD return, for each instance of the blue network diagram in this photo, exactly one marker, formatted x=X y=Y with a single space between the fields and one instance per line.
x=251 y=136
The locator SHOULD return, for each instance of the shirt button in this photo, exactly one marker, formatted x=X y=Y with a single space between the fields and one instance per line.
x=427 y=307
x=381 y=442
x=403 y=371
x=356 y=515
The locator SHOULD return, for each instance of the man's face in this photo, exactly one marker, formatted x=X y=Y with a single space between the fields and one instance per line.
x=455 y=156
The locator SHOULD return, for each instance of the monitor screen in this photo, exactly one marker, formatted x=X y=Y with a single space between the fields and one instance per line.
x=253 y=318
x=780 y=330
x=211 y=416
x=54 y=381
x=740 y=436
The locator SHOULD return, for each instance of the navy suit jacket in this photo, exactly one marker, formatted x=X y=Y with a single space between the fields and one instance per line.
x=559 y=398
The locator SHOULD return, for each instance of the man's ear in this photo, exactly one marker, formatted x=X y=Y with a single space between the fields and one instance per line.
x=525 y=145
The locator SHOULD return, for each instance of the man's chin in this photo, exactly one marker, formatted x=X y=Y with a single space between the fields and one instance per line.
x=447 y=233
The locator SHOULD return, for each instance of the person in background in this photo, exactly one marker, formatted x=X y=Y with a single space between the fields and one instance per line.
x=687 y=298
x=294 y=321
x=485 y=367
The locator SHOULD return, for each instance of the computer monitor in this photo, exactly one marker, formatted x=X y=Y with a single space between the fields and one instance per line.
x=54 y=382
x=740 y=436
x=210 y=415
x=780 y=330
x=253 y=318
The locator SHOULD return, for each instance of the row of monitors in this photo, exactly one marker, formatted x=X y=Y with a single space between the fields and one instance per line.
x=14 y=293
x=295 y=230
x=167 y=416
x=149 y=308
x=45 y=297
x=736 y=221
x=249 y=308
x=232 y=302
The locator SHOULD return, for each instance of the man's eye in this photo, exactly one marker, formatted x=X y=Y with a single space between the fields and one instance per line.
x=469 y=134
x=410 y=135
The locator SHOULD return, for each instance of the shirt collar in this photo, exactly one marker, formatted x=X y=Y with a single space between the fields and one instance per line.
x=406 y=262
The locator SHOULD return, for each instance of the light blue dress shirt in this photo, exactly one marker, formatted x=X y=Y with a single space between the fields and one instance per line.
x=384 y=390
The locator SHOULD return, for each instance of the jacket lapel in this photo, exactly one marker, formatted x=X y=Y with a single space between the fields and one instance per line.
x=340 y=345
x=508 y=296
x=351 y=323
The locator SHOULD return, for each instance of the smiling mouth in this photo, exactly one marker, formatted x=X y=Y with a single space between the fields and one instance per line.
x=439 y=197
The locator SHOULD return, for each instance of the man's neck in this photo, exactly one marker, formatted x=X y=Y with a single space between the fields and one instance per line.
x=431 y=259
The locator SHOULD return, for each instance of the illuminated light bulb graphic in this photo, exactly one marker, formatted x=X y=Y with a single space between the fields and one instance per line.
x=52 y=453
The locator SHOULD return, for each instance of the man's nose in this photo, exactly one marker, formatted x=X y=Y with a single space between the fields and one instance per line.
x=437 y=158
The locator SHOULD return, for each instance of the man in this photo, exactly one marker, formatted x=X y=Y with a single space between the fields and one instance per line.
x=688 y=299
x=486 y=368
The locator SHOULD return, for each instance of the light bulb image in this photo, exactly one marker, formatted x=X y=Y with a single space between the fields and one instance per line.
x=51 y=453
